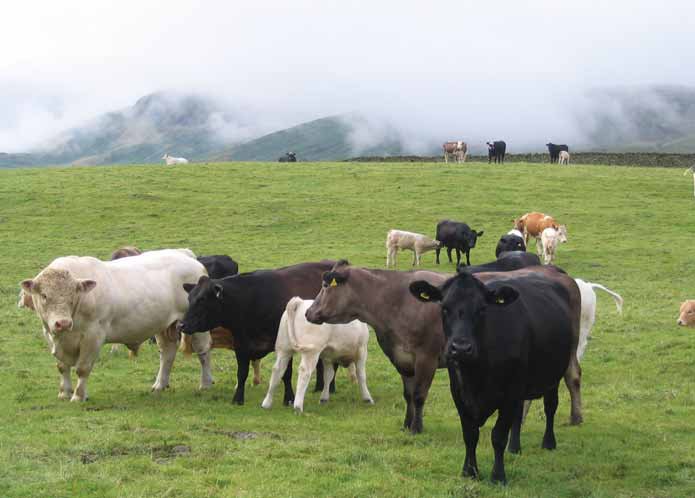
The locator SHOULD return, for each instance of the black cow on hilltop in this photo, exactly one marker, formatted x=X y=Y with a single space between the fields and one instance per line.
x=496 y=151
x=510 y=337
x=290 y=157
x=456 y=235
x=554 y=151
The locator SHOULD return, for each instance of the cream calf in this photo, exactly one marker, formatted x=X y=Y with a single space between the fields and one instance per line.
x=550 y=238
x=331 y=343
x=171 y=160
x=686 y=317
x=401 y=240
x=564 y=157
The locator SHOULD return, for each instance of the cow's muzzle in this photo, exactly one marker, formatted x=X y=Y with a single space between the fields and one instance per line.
x=62 y=325
x=314 y=317
x=461 y=351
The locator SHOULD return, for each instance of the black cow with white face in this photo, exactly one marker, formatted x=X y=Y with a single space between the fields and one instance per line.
x=458 y=236
x=251 y=305
x=496 y=151
x=554 y=151
x=509 y=337
x=290 y=157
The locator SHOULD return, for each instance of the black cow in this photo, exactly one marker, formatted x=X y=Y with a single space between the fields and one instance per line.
x=510 y=242
x=251 y=304
x=496 y=151
x=509 y=337
x=219 y=266
x=508 y=261
x=290 y=157
x=554 y=151
x=456 y=235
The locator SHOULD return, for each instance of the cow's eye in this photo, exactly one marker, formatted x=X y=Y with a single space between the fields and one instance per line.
x=43 y=296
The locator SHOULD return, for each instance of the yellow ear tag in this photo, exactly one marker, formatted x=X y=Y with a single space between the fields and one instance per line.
x=334 y=283
x=500 y=300
x=424 y=295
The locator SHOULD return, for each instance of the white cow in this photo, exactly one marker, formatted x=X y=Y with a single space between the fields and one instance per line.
x=550 y=238
x=563 y=157
x=84 y=303
x=400 y=239
x=344 y=344
x=170 y=160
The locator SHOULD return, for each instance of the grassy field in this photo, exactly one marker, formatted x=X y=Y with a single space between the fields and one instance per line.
x=629 y=228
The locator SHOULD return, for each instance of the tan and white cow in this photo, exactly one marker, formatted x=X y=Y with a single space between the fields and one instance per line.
x=457 y=149
x=532 y=225
x=563 y=157
x=84 y=303
x=550 y=239
x=330 y=343
x=401 y=240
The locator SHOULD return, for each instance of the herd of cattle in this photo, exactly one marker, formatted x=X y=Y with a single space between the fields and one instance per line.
x=507 y=331
x=496 y=151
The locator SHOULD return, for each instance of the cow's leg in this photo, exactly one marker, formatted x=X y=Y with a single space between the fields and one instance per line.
x=306 y=368
x=573 y=380
x=256 y=364
x=201 y=343
x=470 y=429
x=89 y=352
x=65 y=390
x=352 y=373
x=425 y=367
x=319 y=377
x=515 y=439
x=448 y=253
x=242 y=373
x=281 y=361
x=500 y=436
x=550 y=406
x=167 y=352
x=468 y=257
x=438 y=249
x=288 y=398
x=458 y=256
x=361 y=370
x=328 y=374
x=388 y=257
x=416 y=258
x=408 y=385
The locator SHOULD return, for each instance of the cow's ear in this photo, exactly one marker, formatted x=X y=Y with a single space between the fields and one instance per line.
x=502 y=296
x=218 y=291
x=334 y=279
x=203 y=279
x=28 y=285
x=480 y=234
x=425 y=292
x=86 y=285
x=188 y=287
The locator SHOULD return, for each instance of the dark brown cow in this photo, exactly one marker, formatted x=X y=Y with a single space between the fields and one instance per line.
x=125 y=252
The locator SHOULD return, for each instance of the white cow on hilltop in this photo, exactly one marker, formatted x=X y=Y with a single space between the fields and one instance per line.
x=171 y=160
x=331 y=343
x=84 y=302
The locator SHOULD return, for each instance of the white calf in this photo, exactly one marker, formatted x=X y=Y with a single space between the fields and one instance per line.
x=170 y=160
x=344 y=344
x=564 y=157
x=549 y=241
x=400 y=239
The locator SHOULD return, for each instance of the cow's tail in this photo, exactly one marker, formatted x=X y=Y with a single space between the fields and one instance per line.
x=388 y=238
x=291 y=310
x=616 y=297
x=691 y=169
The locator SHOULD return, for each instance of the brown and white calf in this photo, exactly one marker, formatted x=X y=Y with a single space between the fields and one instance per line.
x=340 y=343
x=550 y=238
x=686 y=317
x=401 y=240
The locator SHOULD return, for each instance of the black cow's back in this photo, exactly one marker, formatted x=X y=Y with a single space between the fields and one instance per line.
x=219 y=266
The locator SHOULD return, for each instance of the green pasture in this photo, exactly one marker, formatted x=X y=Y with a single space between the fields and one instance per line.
x=630 y=229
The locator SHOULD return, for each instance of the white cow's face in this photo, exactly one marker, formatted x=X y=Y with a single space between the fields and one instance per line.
x=56 y=295
x=686 y=317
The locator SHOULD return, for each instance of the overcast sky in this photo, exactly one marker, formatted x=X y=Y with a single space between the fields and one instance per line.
x=508 y=69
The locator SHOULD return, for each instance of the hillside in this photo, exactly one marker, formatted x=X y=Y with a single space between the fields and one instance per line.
x=331 y=138
x=184 y=125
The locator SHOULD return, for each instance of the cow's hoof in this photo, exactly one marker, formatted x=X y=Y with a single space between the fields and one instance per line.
x=64 y=395
x=267 y=405
x=257 y=381
x=576 y=420
x=369 y=401
x=76 y=399
x=237 y=401
x=298 y=409
x=204 y=387
x=323 y=401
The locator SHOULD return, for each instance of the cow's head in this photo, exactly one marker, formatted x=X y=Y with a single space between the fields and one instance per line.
x=472 y=237
x=464 y=301
x=509 y=243
x=55 y=295
x=336 y=301
x=562 y=233
x=204 y=306
x=686 y=317
x=518 y=224
x=125 y=252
